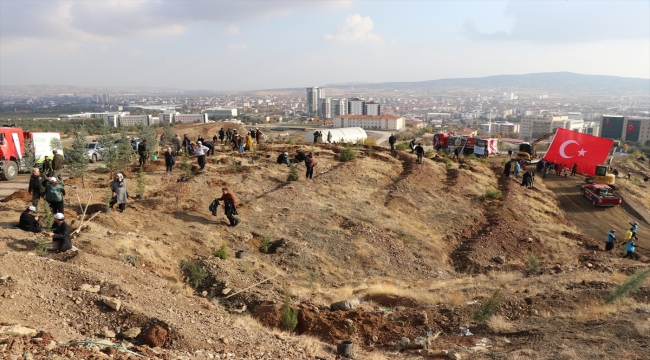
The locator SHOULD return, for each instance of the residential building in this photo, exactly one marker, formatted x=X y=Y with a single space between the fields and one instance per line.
x=231 y=113
x=355 y=106
x=629 y=128
x=591 y=127
x=136 y=120
x=466 y=132
x=535 y=126
x=314 y=94
x=377 y=122
x=499 y=127
x=371 y=108
x=431 y=116
x=416 y=124
x=191 y=118
x=339 y=107
x=101 y=98
x=167 y=117
x=325 y=108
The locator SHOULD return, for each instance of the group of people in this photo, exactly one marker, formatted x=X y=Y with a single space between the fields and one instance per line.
x=318 y=137
x=60 y=232
x=308 y=159
x=628 y=244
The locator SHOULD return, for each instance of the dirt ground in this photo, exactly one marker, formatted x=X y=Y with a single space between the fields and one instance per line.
x=416 y=249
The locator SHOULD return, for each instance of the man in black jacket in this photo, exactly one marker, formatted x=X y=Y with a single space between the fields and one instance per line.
x=36 y=187
x=61 y=240
x=142 y=151
x=419 y=151
x=222 y=135
x=392 y=140
x=46 y=167
x=29 y=221
x=57 y=165
x=283 y=159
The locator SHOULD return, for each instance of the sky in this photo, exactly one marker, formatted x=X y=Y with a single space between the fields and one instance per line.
x=251 y=45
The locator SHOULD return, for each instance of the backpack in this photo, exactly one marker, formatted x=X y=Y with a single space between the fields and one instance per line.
x=213 y=207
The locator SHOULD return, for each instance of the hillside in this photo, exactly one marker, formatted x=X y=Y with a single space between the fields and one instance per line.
x=558 y=82
x=416 y=250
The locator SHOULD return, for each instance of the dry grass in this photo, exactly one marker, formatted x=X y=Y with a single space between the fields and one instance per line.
x=595 y=310
x=503 y=279
x=643 y=328
x=500 y=324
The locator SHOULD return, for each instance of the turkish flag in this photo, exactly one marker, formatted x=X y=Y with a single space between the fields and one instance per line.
x=571 y=147
x=630 y=128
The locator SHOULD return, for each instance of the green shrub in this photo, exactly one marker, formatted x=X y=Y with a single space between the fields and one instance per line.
x=347 y=154
x=141 y=183
x=492 y=194
x=484 y=161
x=472 y=156
x=265 y=245
x=534 y=264
x=485 y=311
x=234 y=165
x=194 y=272
x=131 y=259
x=402 y=146
x=630 y=285
x=289 y=319
x=221 y=252
x=429 y=154
x=293 y=174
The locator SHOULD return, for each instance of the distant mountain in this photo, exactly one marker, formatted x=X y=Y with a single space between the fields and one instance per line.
x=553 y=81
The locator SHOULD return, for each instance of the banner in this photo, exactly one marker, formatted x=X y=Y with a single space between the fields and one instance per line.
x=571 y=147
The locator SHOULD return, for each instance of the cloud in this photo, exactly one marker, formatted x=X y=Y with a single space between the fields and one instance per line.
x=237 y=47
x=232 y=30
x=569 y=22
x=121 y=19
x=355 y=28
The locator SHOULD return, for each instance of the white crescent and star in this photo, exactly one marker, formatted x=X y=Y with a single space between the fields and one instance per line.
x=565 y=144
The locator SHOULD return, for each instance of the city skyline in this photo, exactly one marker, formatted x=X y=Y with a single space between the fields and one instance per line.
x=251 y=45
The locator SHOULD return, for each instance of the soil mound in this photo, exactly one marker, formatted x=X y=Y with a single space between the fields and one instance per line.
x=18 y=195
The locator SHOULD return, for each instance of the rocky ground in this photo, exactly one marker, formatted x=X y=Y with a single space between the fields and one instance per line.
x=394 y=256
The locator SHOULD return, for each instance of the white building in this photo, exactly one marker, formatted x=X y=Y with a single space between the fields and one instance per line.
x=231 y=113
x=191 y=118
x=136 y=120
x=355 y=106
x=499 y=127
x=431 y=116
x=535 y=126
x=380 y=122
x=371 y=108
x=314 y=94
x=167 y=117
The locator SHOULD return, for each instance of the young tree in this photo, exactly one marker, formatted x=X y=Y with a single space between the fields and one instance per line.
x=55 y=144
x=169 y=134
x=107 y=148
x=124 y=153
x=147 y=133
x=79 y=156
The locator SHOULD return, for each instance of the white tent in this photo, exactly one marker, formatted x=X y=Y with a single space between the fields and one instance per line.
x=350 y=134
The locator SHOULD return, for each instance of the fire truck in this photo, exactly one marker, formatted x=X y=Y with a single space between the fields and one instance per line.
x=12 y=149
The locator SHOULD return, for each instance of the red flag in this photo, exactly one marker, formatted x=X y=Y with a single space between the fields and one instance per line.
x=571 y=147
x=630 y=128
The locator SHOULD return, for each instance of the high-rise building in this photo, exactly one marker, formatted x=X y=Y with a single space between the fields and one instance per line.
x=355 y=106
x=371 y=108
x=325 y=108
x=314 y=94
x=339 y=107
x=101 y=98
x=534 y=126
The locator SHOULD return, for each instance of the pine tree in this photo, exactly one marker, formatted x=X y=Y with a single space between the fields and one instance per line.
x=79 y=156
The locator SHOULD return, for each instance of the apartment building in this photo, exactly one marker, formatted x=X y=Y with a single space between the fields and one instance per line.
x=339 y=107
x=325 y=108
x=355 y=106
x=499 y=127
x=371 y=108
x=371 y=122
x=191 y=118
x=535 y=126
x=231 y=113
x=314 y=94
x=135 y=120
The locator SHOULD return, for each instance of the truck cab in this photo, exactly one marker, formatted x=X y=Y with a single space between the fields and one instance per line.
x=12 y=152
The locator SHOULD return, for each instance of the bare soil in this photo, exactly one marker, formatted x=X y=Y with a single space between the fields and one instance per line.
x=417 y=246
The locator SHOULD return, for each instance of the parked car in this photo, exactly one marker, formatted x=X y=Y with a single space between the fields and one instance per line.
x=94 y=151
x=600 y=195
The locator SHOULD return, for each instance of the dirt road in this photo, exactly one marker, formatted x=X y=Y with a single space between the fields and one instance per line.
x=592 y=220
x=21 y=182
